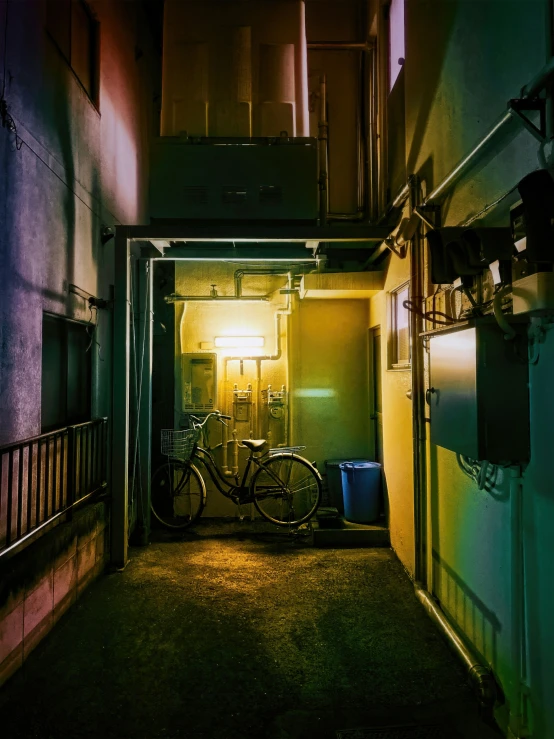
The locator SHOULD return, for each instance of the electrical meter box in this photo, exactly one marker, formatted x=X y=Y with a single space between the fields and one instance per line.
x=479 y=394
x=199 y=382
x=275 y=401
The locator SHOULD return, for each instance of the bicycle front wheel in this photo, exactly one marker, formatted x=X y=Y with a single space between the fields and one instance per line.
x=178 y=494
x=286 y=490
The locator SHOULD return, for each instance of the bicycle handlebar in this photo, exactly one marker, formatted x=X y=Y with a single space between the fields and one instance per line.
x=215 y=414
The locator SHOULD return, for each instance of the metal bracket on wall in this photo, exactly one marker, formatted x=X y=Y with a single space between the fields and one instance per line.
x=429 y=214
x=518 y=107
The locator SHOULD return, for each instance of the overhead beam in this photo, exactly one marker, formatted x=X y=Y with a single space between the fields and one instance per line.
x=241 y=233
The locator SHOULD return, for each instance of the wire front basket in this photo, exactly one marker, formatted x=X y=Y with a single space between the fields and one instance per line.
x=179 y=444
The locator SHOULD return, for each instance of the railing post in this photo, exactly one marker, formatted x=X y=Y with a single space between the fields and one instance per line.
x=71 y=470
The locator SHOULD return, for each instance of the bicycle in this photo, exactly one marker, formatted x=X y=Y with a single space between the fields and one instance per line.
x=285 y=487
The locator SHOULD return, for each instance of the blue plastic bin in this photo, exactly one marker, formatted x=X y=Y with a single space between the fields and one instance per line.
x=334 y=481
x=361 y=487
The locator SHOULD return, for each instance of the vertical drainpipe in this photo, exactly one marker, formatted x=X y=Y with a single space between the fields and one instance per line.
x=372 y=168
x=417 y=272
x=145 y=344
x=302 y=94
x=382 y=80
x=323 y=136
x=549 y=12
x=519 y=719
x=120 y=390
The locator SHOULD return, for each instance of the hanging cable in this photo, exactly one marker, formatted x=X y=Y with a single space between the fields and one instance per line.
x=488 y=207
x=483 y=473
x=430 y=315
x=147 y=318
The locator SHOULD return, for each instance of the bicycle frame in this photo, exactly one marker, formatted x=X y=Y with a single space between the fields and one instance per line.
x=238 y=493
x=241 y=491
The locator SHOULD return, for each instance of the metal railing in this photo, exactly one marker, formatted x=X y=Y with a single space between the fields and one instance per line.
x=43 y=477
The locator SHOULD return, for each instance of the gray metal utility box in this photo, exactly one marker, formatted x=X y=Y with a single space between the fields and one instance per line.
x=479 y=394
x=234 y=178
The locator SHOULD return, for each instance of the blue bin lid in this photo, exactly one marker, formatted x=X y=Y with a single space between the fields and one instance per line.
x=338 y=462
x=361 y=465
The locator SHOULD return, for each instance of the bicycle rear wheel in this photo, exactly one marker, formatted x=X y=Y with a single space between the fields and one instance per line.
x=286 y=490
x=178 y=494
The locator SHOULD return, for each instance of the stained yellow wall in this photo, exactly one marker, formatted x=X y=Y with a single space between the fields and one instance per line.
x=201 y=321
x=329 y=379
x=323 y=363
x=397 y=423
x=483 y=54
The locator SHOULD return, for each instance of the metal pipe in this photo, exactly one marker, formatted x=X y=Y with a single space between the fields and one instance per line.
x=549 y=26
x=257 y=423
x=506 y=118
x=240 y=273
x=119 y=522
x=531 y=90
x=419 y=434
x=323 y=137
x=374 y=256
x=424 y=218
x=402 y=196
x=372 y=162
x=345 y=216
x=235 y=468
x=360 y=100
x=224 y=450
x=197 y=298
x=518 y=707
x=479 y=674
x=539 y=81
x=340 y=46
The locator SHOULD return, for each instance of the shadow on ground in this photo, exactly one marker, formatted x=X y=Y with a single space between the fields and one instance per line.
x=234 y=631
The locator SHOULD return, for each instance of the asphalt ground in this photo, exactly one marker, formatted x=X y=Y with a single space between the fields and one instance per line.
x=241 y=631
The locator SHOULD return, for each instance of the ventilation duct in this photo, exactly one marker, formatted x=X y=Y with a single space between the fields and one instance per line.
x=341 y=285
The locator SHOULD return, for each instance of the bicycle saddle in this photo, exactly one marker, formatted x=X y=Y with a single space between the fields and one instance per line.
x=254 y=444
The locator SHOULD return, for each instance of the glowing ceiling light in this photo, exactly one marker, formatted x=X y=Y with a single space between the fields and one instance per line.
x=235 y=342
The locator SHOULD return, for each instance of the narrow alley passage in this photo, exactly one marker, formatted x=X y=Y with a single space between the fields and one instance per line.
x=238 y=630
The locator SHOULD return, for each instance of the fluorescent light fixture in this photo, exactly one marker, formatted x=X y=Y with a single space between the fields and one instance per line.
x=235 y=342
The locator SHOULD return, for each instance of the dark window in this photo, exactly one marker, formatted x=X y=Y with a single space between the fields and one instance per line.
x=400 y=350
x=71 y=25
x=397 y=47
x=66 y=373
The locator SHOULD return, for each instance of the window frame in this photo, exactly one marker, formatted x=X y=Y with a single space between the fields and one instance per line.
x=94 y=93
x=393 y=363
x=70 y=417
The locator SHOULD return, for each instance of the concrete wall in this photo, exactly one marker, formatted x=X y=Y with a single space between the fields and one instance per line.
x=80 y=167
x=76 y=166
x=38 y=585
x=397 y=422
x=483 y=54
